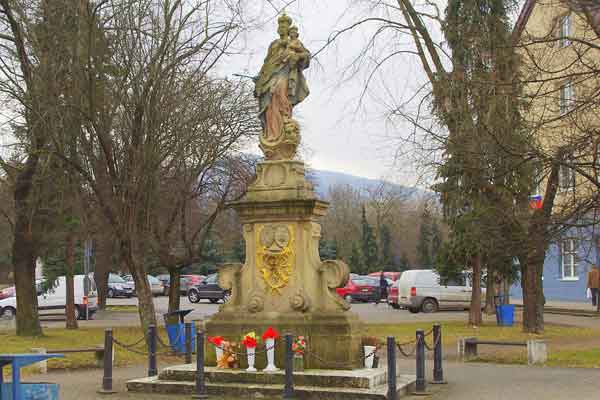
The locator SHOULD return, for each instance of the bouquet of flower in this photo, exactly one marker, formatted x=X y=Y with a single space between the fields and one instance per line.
x=249 y=340
x=270 y=333
x=216 y=340
x=299 y=346
x=229 y=357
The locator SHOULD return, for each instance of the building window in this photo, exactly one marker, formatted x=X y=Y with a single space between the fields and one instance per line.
x=566 y=28
x=566 y=178
x=567 y=98
x=569 y=259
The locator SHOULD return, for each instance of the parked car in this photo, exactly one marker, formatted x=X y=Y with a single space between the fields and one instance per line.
x=421 y=290
x=7 y=292
x=166 y=281
x=393 y=295
x=119 y=287
x=156 y=286
x=360 y=288
x=55 y=298
x=208 y=289
x=190 y=280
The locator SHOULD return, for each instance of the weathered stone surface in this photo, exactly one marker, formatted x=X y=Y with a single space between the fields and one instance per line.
x=404 y=384
x=358 y=378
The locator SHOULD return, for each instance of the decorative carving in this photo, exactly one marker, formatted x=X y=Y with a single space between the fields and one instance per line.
x=335 y=274
x=275 y=175
x=275 y=255
x=284 y=147
x=229 y=279
x=256 y=304
x=299 y=301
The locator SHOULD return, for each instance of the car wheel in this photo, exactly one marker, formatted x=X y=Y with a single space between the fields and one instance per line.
x=110 y=293
x=395 y=306
x=348 y=298
x=77 y=313
x=214 y=301
x=413 y=310
x=193 y=296
x=429 y=306
x=8 y=313
x=226 y=297
x=165 y=291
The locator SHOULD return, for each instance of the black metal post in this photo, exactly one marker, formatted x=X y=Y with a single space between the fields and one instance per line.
x=107 y=380
x=200 y=386
x=188 y=342
x=420 y=352
x=438 y=371
x=288 y=390
x=152 y=369
x=391 y=355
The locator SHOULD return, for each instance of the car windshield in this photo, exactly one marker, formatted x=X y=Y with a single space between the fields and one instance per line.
x=153 y=280
x=115 y=279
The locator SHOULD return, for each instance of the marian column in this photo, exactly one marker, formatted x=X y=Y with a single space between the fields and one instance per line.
x=283 y=282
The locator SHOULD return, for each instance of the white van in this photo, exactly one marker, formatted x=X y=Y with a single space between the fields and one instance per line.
x=55 y=298
x=420 y=290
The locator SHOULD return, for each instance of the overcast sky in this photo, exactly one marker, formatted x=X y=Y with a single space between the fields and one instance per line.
x=339 y=132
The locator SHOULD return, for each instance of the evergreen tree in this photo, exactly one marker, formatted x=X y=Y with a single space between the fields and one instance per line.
x=327 y=249
x=425 y=238
x=436 y=240
x=369 y=244
x=356 y=261
x=404 y=262
x=385 y=239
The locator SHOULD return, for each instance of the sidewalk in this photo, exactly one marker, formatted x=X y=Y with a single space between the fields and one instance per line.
x=470 y=381
x=567 y=305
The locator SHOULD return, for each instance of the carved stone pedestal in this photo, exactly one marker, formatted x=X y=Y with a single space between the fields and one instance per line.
x=283 y=282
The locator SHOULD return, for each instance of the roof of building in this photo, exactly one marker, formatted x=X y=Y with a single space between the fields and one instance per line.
x=590 y=7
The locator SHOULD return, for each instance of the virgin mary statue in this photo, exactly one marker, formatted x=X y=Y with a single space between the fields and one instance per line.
x=281 y=84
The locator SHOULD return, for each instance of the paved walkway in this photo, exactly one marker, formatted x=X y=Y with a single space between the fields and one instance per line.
x=471 y=381
x=568 y=305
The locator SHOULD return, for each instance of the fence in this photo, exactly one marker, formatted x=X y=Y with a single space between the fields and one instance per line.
x=416 y=347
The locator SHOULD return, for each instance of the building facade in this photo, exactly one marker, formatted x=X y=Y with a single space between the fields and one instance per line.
x=559 y=41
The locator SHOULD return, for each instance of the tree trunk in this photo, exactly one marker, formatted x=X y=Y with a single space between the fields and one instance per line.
x=142 y=288
x=28 y=322
x=174 y=289
x=104 y=252
x=490 y=293
x=475 y=311
x=70 y=264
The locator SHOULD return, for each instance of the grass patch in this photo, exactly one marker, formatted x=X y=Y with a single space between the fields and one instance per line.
x=57 y=339
x=568 y=346
x=123 y=309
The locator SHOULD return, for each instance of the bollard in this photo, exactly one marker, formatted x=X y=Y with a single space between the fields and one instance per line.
x=200 y=386
x=438 y=371
x=391 y=355
x=188 y=342
x=107 y=380
x=288 y=390
x=420 y=355
x=152 y=369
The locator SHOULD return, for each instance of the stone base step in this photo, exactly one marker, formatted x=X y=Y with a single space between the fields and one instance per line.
x=405 y=385
x=359 y=378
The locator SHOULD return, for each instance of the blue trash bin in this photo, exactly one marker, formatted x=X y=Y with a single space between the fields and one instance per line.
x=505 y=314
x=31 y=391
x=176 y=333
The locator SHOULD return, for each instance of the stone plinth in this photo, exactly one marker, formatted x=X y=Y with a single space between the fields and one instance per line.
x=312 y=384
x=283 y=282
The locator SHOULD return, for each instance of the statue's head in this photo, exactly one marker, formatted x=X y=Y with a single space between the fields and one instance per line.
x=294 y=32
x=284 y=23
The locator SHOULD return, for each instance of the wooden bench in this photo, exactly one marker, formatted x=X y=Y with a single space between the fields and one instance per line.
x=98 y=355
x=537 y=352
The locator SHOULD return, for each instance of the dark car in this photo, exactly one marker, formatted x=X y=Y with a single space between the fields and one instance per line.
x=208 y=289
x=119 y=287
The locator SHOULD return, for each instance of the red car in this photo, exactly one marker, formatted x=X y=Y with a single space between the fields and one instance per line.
x=8 y=292
x=360 y=288
x=393 y=296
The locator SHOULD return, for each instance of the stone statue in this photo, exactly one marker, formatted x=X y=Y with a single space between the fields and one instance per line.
x=279 y=87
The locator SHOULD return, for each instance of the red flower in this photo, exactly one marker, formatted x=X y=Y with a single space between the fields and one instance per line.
x=270 y=333
x=249 y=342
x=216 y=340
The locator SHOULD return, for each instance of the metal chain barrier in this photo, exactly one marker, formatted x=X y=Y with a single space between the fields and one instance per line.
x=245 y=354
x=130 y=347
x=433 y=346
x=348 y=364
x=407 y=353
